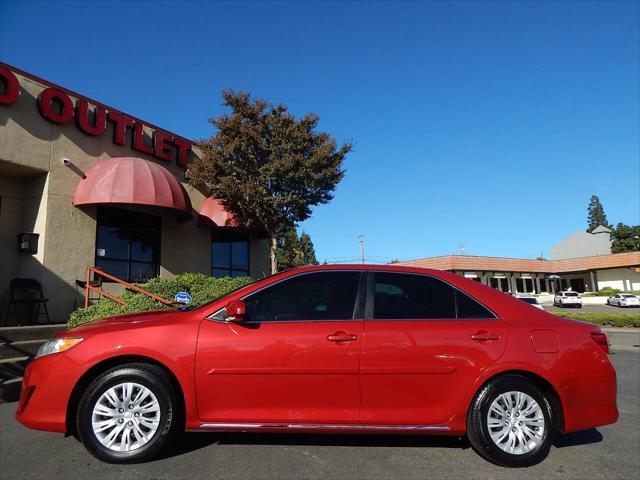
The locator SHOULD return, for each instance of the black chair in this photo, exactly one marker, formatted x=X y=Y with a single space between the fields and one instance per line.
x=82 y=284
x=27 y=291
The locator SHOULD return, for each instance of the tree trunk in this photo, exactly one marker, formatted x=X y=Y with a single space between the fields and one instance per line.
x=274 y=260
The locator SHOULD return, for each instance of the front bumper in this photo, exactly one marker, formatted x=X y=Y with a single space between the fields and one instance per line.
x=46 y=389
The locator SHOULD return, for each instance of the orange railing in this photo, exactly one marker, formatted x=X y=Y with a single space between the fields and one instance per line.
x=130 y=286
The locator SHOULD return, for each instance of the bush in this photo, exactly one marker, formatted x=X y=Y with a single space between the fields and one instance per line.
x=613 y=319
x=201 y=287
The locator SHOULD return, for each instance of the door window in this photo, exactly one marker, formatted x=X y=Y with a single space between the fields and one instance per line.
x=315 y=296
x=407 y=296
x=402 y=296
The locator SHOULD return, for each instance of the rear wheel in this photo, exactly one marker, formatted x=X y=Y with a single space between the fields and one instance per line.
x=128 y=414
x=511 y=422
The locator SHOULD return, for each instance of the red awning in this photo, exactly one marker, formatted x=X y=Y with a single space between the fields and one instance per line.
x=133 y=181
x=213 y=210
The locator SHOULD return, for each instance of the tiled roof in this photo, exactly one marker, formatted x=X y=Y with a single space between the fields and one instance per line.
x=502 y=264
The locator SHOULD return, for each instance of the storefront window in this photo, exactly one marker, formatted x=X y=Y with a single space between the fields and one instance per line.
x=128 y=244
x=229 y=254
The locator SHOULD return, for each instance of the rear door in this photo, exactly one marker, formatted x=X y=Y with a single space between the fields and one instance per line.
x=293 y=360
x=425 y=343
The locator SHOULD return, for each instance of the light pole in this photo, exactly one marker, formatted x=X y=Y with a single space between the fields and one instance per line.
x=361 y=242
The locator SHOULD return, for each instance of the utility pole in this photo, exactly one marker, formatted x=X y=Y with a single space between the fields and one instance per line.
x=461 y=245
x=361 y=242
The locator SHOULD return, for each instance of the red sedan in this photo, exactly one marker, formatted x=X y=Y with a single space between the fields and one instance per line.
x=352 y=349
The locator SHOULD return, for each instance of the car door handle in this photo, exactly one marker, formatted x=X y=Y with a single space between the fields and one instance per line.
x=342 y=337
x=484 y=336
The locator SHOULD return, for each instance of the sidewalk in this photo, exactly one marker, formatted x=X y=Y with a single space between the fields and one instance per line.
x=621 y=338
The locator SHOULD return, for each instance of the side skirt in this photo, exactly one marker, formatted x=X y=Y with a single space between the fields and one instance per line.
x=303 y=426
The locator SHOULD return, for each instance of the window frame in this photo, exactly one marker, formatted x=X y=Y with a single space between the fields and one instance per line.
x=129 y=261
x=358 y=309
x=369 y=307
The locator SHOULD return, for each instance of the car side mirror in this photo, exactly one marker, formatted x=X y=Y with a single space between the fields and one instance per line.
x=236 y=311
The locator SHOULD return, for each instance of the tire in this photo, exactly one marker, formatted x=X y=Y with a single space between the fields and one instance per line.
x=151 y=424
x=534 y=448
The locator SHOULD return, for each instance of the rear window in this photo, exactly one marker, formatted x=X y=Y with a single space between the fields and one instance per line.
x=570 y=294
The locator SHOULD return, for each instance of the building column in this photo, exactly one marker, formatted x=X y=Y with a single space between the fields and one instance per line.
x=594 y=283
x=514 y=285
x=538 y=289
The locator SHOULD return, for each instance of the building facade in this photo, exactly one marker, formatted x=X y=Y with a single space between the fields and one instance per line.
x=517 y=275
x=83 y=184
x=583 y=244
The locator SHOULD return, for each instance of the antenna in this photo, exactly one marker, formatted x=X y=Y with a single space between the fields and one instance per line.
x=361 y=242
x=461 y=246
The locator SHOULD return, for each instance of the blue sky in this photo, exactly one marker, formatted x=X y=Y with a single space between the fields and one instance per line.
x=486 y=122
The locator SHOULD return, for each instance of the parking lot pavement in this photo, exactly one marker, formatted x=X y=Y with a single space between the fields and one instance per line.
x=592 y=309
x=606 y=453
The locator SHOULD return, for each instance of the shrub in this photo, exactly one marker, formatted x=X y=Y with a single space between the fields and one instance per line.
x=613 y=319
x=201 y=287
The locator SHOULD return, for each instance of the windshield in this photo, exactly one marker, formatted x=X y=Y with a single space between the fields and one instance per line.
x=531 y=300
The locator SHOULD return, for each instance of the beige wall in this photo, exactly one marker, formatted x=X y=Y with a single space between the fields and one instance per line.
x=34 y=200
x=620 y=278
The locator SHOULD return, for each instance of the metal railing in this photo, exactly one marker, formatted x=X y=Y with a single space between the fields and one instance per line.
x=129 y=286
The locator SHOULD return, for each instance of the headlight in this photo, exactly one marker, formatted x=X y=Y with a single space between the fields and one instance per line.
x=56 y=346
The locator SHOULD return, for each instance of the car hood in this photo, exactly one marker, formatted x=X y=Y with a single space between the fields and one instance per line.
x=131 y=320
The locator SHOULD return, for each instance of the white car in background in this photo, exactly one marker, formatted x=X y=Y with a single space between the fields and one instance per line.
x=624 y=300
x=530 y=299
x=567 y=299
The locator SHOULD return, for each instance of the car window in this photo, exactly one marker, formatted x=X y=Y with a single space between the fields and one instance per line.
x=470 y=308
x=570 y=294
x=628 y=296
x=315 y=296
x=407 y=296
x=531 y=300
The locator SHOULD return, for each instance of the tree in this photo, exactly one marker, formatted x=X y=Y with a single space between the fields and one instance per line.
x=267 y=167
x=625 y=238
x=308 y=252
x=596 y=215
x=288 y=253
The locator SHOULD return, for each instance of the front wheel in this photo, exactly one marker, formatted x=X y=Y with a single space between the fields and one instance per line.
x=511 y=422
x=128 y=414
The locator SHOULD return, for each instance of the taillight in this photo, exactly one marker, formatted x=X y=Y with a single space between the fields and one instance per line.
x=601 y=339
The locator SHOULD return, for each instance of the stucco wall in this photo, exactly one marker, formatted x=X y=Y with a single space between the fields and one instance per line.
x=620 y=278
x=33 y=200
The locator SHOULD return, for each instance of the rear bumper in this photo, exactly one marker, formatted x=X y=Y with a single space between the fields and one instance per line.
x=590 y=398
x=46 y=389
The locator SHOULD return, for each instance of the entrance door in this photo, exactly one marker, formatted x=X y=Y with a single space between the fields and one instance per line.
x=293 y=360
x=425 y=343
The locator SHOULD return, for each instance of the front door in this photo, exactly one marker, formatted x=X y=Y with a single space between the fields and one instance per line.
x=293 y=360
x=425 y=343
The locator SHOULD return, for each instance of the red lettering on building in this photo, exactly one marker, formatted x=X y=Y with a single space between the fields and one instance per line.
x=55 y=104
x=50 y=97
x=138 y=139
x=11 y=87
x=162 y=146
x=120 y=124
x=83 y=121
x=184 y=148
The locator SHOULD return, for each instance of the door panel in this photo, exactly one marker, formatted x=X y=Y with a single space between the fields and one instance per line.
x=416 y=372
x=425 y=343
x=278 y=372
x=294 y=358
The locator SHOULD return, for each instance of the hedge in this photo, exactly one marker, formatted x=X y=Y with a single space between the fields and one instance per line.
x=613 y=319
x=201 y=287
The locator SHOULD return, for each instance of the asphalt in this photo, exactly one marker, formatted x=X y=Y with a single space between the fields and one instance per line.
x=609 y=452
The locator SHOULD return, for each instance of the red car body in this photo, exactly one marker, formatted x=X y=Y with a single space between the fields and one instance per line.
x=389 y=376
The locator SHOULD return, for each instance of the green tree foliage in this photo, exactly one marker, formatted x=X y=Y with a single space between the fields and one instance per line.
x=308 y=252
x=625 y=238
x=202 y=289
x=267 y=167
x=596 y=215
x=294 y=251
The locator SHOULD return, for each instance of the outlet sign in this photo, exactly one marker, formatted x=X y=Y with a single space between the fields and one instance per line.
x=92 y=118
